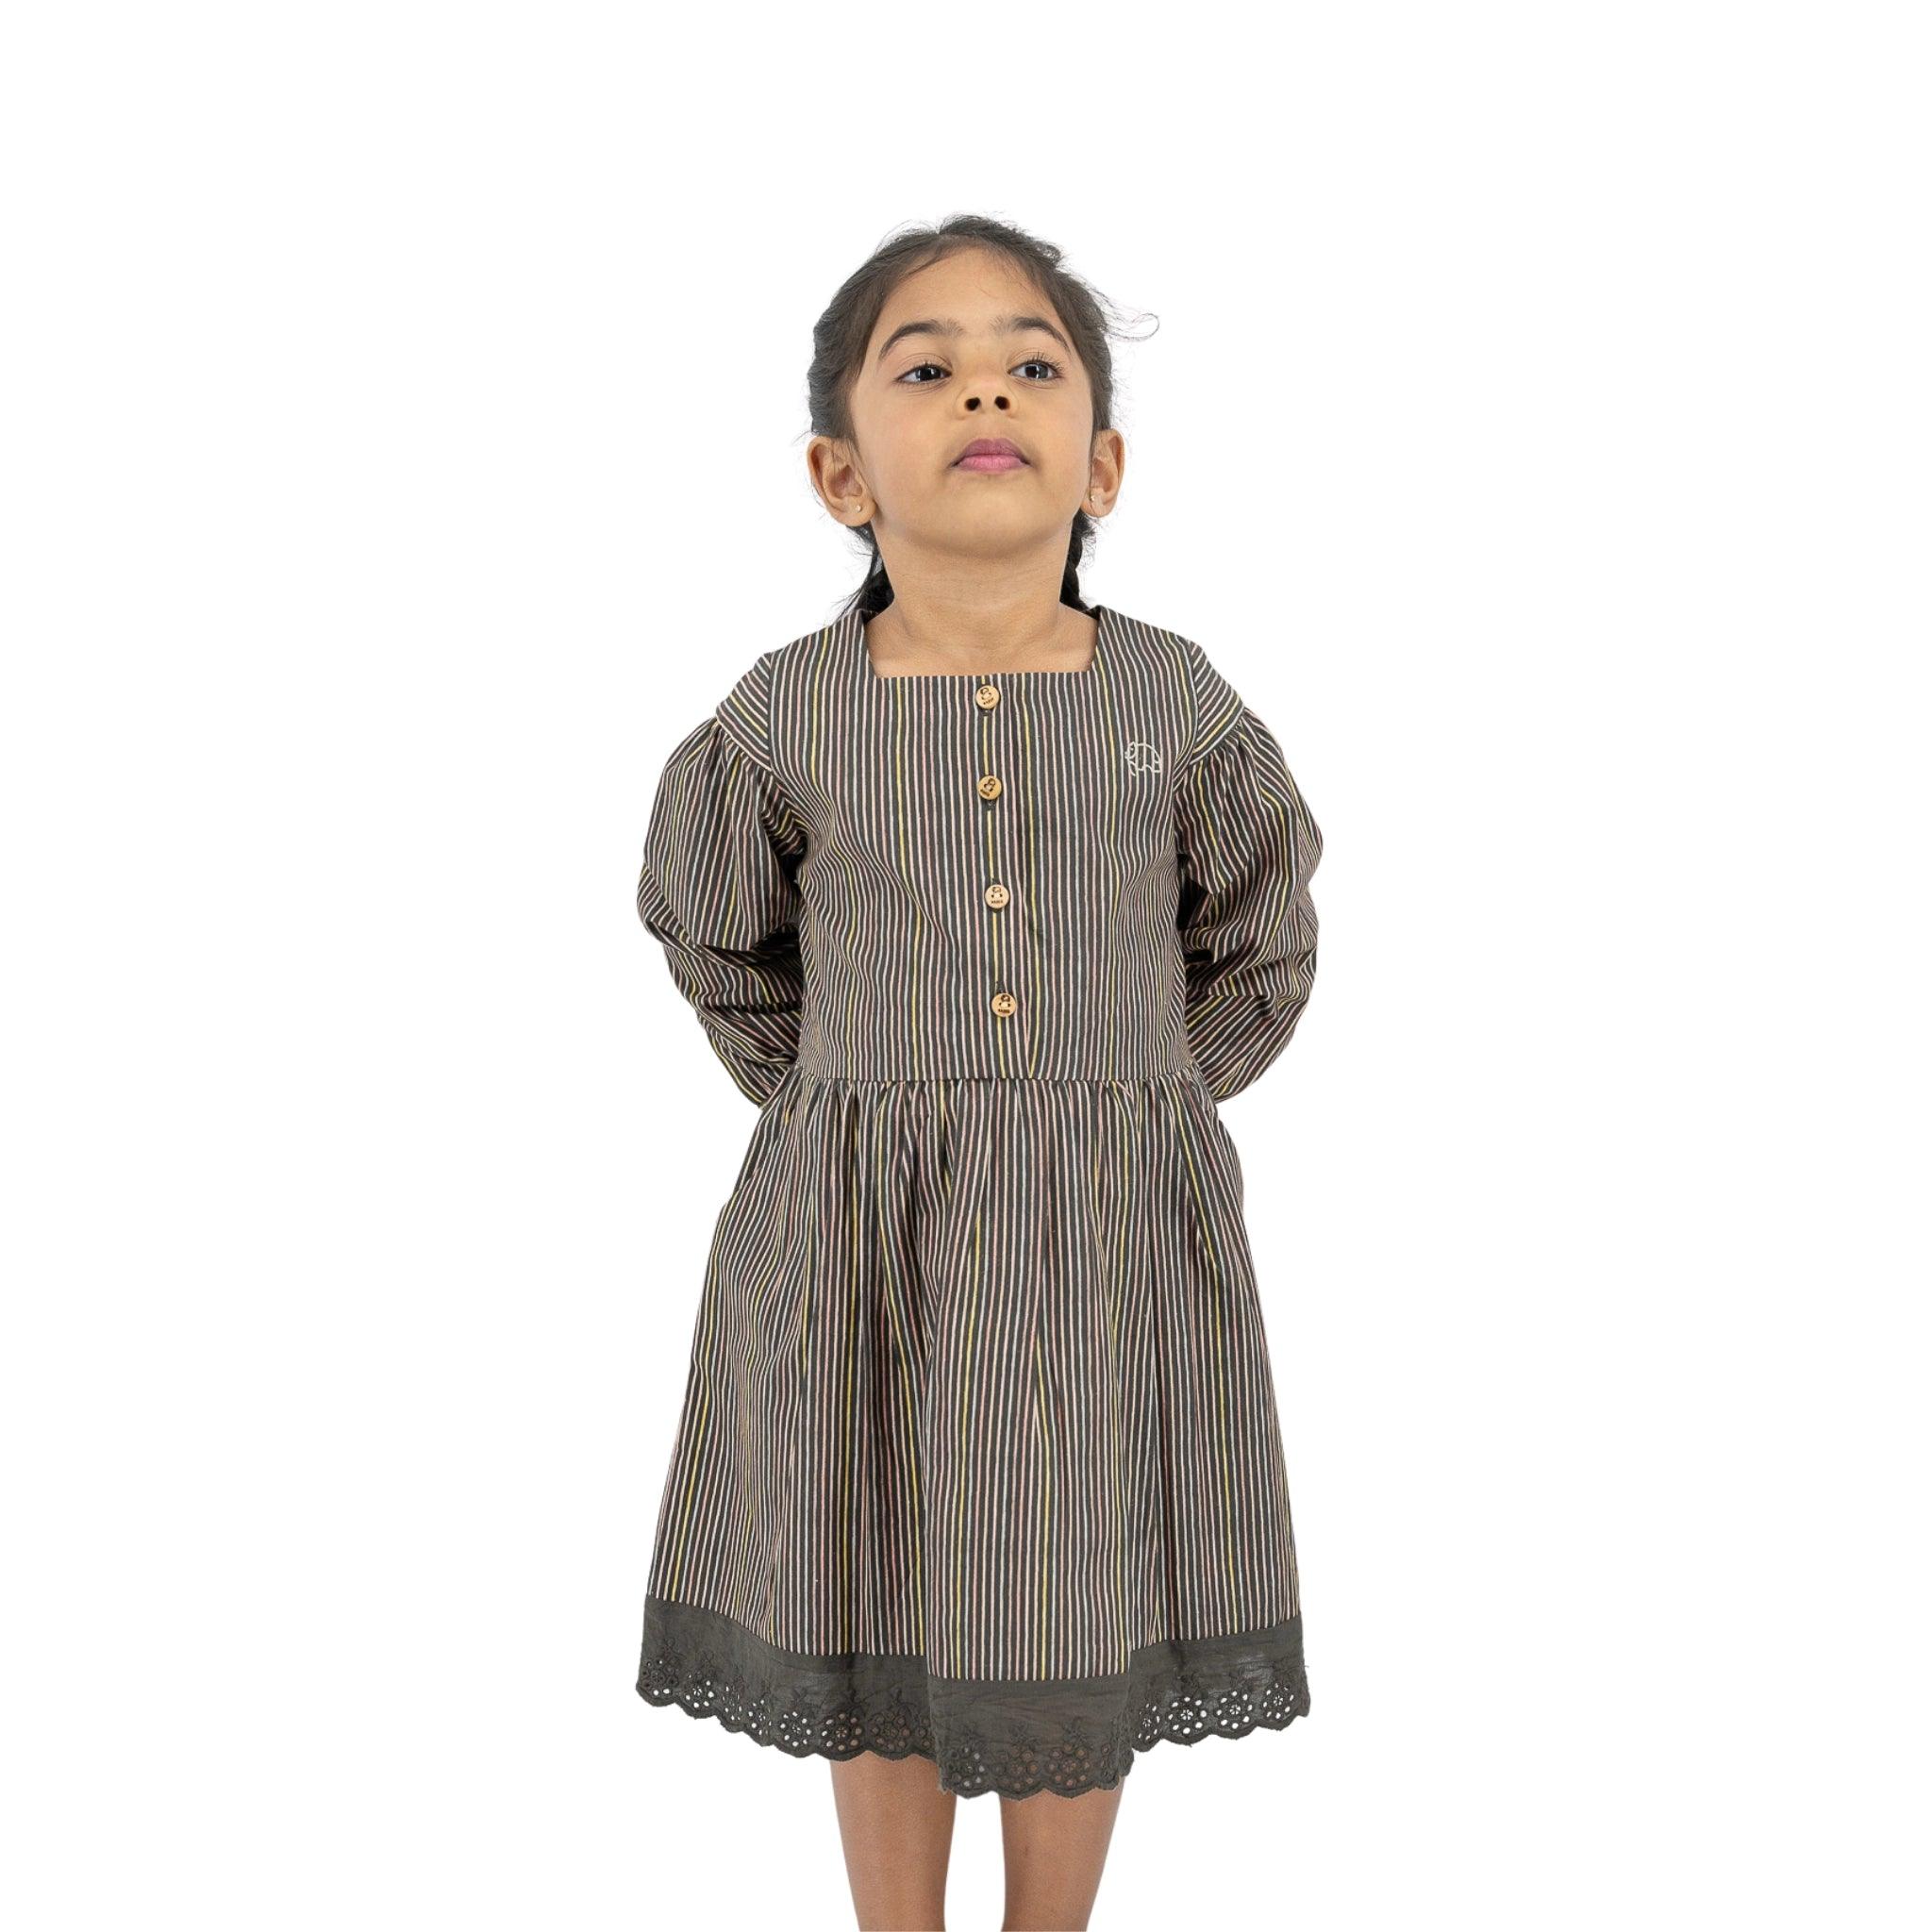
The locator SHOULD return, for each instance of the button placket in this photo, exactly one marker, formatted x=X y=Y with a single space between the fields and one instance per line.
x=1004 y=1002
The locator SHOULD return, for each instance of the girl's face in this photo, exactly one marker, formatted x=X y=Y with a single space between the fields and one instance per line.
x=967 y=350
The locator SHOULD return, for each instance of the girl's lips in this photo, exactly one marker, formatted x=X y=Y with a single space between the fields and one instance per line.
x=992 y=462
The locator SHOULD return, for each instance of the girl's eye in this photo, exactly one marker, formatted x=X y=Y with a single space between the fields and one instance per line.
x=1045 y=363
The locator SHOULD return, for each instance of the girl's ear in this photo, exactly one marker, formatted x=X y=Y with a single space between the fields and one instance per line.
x=833 y=466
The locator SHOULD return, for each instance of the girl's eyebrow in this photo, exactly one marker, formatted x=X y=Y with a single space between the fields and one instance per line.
x=1005 y=324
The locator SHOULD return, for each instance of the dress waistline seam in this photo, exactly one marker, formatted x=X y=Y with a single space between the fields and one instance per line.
x=1185 y=1073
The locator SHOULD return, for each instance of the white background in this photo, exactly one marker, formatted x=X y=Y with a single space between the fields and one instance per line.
x=403 y=447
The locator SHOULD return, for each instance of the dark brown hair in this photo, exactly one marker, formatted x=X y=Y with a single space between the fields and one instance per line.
x=841 y=334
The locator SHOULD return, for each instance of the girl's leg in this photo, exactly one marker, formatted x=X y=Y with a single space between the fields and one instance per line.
x=897 y=1829
x=1055 y=1849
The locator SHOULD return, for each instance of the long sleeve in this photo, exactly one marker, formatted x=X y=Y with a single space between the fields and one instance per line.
x=718 y=889
x=1247 y=847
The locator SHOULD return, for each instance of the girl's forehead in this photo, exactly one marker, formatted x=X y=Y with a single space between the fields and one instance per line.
x=978 y=296
x=1035 y=318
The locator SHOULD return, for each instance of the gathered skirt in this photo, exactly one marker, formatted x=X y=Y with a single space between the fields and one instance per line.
x=979 y=1457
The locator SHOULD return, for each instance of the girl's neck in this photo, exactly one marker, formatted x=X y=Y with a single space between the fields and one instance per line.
x=929 y=638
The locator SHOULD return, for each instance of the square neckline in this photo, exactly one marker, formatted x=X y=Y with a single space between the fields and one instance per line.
x=856 y=622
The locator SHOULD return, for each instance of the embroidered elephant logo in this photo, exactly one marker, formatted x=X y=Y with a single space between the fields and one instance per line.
x=1144 y=759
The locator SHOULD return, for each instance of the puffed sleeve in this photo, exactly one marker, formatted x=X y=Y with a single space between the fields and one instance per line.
x=719 y=889
x=1247 y=848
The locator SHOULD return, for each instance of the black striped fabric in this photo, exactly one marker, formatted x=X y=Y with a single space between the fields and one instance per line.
x=979 y=1455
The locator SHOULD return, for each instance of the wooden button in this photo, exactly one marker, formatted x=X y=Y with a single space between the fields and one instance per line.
x=986 y=696
x=998 y=895
x=1003 y=1003
x=989 y=787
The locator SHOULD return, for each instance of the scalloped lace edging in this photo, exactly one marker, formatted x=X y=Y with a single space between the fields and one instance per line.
x=825 y=1713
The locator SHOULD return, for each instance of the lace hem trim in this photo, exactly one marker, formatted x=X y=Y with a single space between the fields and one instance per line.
x=1017 y=1736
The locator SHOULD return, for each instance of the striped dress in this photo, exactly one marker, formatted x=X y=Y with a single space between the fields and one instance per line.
x=978 y=1456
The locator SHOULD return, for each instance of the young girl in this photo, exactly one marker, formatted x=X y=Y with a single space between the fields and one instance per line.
x=985 y=896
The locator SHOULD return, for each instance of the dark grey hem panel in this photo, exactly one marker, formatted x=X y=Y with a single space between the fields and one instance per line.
x=1016 y=1736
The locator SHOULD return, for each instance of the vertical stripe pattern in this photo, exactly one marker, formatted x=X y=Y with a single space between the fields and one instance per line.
x=979 y=1454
